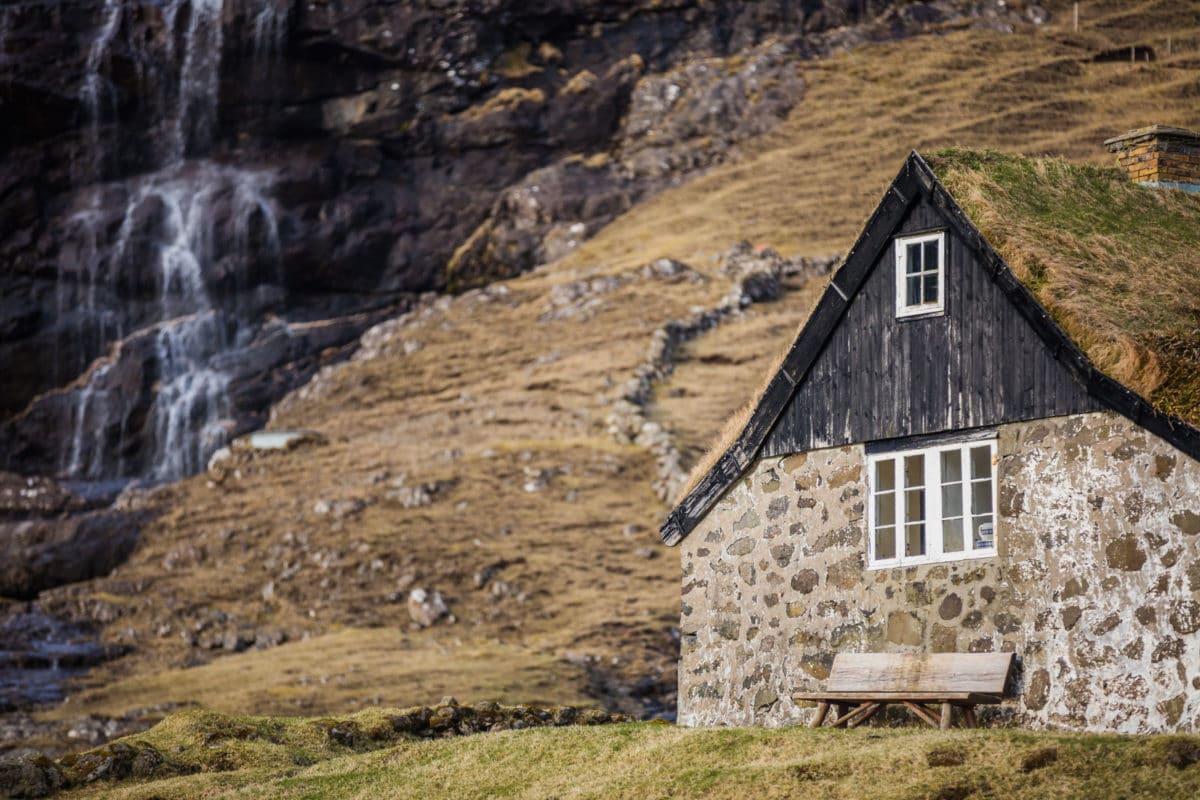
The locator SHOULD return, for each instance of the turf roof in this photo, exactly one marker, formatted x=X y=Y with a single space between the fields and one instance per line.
x=1115 y=264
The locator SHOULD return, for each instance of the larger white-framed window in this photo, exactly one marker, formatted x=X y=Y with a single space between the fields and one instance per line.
x=921 y=274
x=932 y=504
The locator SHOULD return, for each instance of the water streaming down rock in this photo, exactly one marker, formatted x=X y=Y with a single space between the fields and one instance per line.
x=96 y=92
x=196 y=116
x=203 y=236
x=201 y=232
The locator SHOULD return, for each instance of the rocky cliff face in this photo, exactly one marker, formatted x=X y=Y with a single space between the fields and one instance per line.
x=202 y=200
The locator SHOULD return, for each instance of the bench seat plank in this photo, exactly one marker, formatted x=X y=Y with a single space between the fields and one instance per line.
x=834 y=697
x=982 y=673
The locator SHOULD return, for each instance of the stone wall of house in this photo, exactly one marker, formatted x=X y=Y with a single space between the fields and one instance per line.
x=1096 y=584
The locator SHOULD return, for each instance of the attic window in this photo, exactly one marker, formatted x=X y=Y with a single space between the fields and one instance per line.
x=921 y=275
x=933 y=504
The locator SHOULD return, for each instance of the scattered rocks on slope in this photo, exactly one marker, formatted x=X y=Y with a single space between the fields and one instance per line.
x=22 y=497
x=451 y=719
x=427 y=607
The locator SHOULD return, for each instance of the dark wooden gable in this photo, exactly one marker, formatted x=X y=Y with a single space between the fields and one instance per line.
x=878 y=377
x=1004 y=357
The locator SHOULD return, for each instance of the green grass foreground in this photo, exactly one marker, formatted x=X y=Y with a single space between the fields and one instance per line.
x=294 y=758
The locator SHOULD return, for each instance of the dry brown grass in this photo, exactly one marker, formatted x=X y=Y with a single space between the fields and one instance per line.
x=347 y=669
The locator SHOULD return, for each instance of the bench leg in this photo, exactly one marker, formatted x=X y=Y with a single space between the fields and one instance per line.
x=945 y=720
x=819 y=717
x=864 y=716
x=969 y=717
x=843 y=719
x=924 y=714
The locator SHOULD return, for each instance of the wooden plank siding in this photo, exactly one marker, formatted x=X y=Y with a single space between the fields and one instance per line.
x=980 y=364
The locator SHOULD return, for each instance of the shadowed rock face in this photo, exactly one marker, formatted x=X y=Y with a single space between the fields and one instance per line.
x=323 y=162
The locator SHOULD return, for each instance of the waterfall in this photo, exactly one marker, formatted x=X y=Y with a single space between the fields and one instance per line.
x=92 y=405
x=96 y=92
x=199 y=74
x=189 y=226
x=177 y=225
x=270 y=28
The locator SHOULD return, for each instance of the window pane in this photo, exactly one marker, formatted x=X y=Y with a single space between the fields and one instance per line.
x=984 y=531
x=885 y=475
x=951 y=466
x=952 y=500
x=914 y=540
x=914 y=471
x=931 y=254
x=913 y=295
x=885 y=542
x=912 y=258
x=914 y=505
x=952 y=536
x=931 y=287
x=981 y=462
x=885 y=509
x=981 y=497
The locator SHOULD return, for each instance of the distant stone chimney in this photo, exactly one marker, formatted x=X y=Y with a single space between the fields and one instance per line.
x=1160 y=156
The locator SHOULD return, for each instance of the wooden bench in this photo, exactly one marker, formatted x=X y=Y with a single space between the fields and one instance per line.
x=861 y=683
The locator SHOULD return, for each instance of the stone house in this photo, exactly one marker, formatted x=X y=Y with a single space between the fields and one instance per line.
x=964 y=451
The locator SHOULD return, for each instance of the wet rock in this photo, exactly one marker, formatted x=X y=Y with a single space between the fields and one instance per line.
x=22 y=497
x=44 y=553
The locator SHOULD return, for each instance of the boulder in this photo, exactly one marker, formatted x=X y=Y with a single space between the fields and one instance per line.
x=30 y=776
x=44 y=553
x=426 y=607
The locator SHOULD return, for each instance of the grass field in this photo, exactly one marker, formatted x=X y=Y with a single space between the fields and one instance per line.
x=646 y=760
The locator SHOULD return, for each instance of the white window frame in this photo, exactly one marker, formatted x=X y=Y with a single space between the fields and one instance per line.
x=903 y=309
x=932 y=479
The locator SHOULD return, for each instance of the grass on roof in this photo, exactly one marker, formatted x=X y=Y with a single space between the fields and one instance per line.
x=1116 y=264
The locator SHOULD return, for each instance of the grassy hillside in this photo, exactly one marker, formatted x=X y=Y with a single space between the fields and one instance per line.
x=265 y=759
x=539 y=527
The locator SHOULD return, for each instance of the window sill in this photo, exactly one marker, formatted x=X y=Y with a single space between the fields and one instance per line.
x=945 y=558
x=920 y=313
